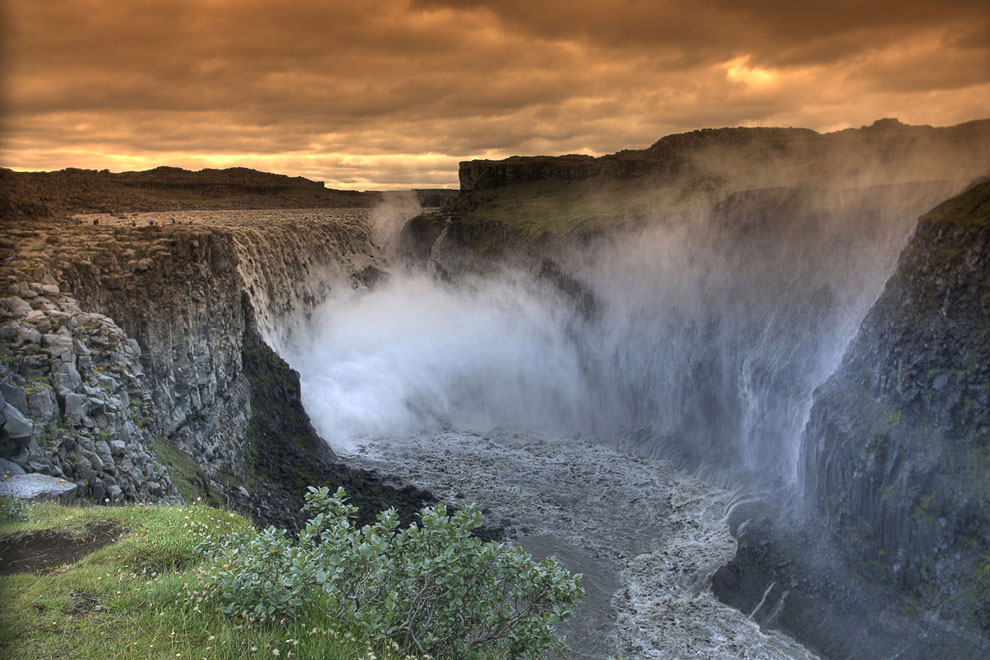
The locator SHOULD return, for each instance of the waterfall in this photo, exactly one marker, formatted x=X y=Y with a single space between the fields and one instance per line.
x=705 y=338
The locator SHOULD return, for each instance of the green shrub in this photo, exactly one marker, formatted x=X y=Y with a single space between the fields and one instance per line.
x=431 y=588
x=12 y=510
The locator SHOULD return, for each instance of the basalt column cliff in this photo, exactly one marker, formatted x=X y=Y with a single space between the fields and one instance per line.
x=164 y=386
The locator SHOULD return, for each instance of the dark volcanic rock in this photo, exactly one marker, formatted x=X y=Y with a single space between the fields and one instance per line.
x=482 y=174
x=896 y=463
x=781 y=579
x=897 y=450
x=768 y=156
x=163 y=386
x=285 y=455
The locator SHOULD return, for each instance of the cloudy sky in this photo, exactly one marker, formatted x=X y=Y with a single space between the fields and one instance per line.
x=381 y=94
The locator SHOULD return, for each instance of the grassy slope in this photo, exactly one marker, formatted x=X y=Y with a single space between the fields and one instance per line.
x=143 y=596
x=500 y=218
x=186 y=474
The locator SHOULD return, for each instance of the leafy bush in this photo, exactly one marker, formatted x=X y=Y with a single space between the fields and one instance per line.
x=431 y=588
x=12 y=510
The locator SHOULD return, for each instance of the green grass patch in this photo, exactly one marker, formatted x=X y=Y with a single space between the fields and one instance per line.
x=148 y=595
x=555 y=206
x=186 y=474
x=969 y=209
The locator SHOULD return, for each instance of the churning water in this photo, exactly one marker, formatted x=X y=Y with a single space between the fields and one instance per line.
x=700 y=337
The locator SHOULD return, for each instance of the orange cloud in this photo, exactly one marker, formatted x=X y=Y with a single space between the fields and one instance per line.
x=388 y=93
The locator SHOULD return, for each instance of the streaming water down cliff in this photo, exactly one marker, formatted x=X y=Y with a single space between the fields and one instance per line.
x=697 y=339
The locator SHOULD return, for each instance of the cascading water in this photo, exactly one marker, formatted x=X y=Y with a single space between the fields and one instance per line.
x=551 y=394
x=704 y=339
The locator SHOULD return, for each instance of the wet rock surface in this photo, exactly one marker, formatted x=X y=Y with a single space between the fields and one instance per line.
x=897 y=449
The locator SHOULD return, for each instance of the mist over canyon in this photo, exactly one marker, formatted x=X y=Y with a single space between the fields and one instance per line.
x=701 y=336
x=759 y=308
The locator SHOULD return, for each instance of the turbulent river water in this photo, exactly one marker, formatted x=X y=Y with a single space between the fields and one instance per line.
x=645 y=535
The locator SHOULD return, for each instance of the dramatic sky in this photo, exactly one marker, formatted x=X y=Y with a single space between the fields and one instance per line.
x=393 y=93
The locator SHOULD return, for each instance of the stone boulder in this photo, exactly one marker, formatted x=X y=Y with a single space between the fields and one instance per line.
x=38 y=488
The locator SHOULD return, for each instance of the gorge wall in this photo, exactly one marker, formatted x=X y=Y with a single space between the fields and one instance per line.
x=896 y=455
x=892 y=527
x=167 y=370
x=889 y=557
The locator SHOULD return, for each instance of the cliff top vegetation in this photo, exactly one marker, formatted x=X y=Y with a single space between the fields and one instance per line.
x=196 y=581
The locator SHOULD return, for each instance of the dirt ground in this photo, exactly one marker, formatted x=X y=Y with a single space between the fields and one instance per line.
x=43 y=551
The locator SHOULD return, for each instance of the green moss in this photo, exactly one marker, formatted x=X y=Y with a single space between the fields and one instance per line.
x=970 y=209
x=186 y=474
x=922 y=513
x=37 y=384
x=279 y=430
x=891 y=417
x=55 y=435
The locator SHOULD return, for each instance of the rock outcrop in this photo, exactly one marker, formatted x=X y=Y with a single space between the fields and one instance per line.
x=484 y=174
x=895 y=468
x=764 y=156
x=36 y=487
x=896 y=454
x=164 y=387
x=75 y=404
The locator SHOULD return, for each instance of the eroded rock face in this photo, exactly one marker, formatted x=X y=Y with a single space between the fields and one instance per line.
x=485 y=174
x=69 y=380
x=896 y=455
x=146 y=382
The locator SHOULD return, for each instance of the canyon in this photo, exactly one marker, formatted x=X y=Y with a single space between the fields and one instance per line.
x=760 y=309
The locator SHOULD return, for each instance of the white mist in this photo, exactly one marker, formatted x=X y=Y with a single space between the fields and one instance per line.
x=709 y=334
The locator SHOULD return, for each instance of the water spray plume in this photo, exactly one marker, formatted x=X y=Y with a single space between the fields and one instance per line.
x=708 y=335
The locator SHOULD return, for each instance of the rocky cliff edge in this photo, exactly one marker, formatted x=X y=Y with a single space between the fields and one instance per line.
x=132 y=362
x=897 y=450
